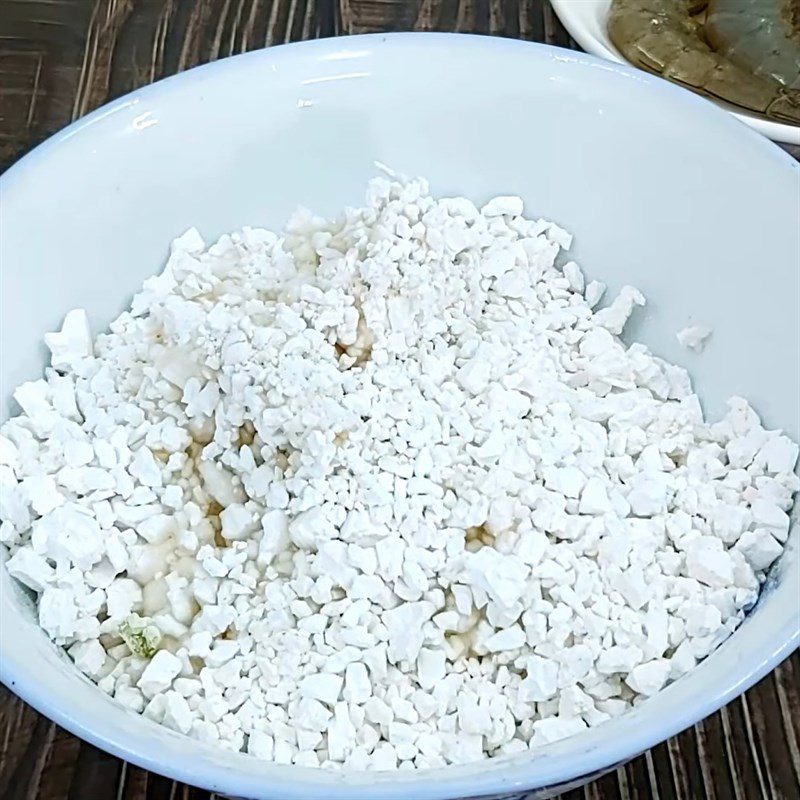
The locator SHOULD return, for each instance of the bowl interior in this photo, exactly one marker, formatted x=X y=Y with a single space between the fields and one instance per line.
x=661 y=189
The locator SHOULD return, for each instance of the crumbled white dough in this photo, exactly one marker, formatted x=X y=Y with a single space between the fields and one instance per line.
x=693 y=337
x=159 y=673
x=384 y=492
x=72 y=343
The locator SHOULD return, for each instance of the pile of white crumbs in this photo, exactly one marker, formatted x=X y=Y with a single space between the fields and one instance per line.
x=383 y=492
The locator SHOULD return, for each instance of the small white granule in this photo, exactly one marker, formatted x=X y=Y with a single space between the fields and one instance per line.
x=384 y=492
x=693 y=337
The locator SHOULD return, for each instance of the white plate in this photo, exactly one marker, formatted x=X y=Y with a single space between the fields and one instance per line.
x=586 y=22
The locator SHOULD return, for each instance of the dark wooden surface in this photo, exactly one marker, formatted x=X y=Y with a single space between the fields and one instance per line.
x=60 y=59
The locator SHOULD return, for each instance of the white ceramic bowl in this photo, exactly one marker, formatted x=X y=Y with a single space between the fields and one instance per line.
x=660 y=188
x=586 y=21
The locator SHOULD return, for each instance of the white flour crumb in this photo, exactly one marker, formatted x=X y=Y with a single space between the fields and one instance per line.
x=694 y=337
x=383 y=492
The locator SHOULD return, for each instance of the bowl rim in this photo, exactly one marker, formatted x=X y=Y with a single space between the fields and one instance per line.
x=575 y=16
x=297 y=783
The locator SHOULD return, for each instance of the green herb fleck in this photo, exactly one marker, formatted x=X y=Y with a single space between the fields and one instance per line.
x=141 y=635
